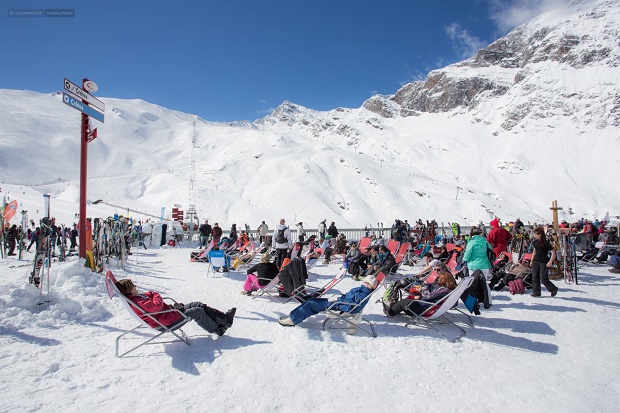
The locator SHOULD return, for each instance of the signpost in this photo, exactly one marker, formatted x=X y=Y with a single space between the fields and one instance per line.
x=90 y=106
x=77 y=104
x=77 y=91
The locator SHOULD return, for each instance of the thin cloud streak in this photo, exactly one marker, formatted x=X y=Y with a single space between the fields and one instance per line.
x=464 y=43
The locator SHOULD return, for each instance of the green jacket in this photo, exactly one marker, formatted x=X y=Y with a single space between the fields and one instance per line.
x=476 y=254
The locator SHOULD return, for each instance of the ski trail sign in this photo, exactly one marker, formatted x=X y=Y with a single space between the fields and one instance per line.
x=90 y=99
x=76 y=104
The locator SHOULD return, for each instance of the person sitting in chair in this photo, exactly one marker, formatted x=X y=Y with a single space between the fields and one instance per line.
x=212 y=320
x=316 y=305
x=430 y=262
x=428 y=292
x=265 y=269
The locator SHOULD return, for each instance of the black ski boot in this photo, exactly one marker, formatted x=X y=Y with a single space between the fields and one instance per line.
x=221 y=329
x=219 y=317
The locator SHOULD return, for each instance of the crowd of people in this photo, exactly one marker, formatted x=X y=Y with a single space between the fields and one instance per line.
x=31 y=236
x=479 y=251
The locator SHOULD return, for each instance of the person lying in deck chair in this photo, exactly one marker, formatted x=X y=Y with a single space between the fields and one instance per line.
x=212 y=320
x=316 y=305
x=427 y=292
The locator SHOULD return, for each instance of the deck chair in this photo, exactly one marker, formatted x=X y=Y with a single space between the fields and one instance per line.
x=526 y=257
x=218 y=259
x=507 y=254
x=437 y=311
x=364 y=243
x=400 y=255
x=241 y=250
x=392 y=246
x=451 y=264
x=589 y=257
x=305 y=292
x=204 y=254
x=270 y=290
x=136 y=311
x=351 y=320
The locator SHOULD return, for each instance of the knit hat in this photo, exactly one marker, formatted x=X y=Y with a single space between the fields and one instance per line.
x=495 y=223
x=372 y=280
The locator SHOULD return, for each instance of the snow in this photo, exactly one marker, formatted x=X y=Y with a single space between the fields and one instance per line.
x=524 y=354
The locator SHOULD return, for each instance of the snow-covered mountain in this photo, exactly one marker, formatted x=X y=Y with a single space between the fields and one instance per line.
x=531 y=118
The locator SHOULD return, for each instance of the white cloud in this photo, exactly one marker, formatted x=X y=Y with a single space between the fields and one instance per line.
x=463 y=42
x=266 y=111
x=508 y=14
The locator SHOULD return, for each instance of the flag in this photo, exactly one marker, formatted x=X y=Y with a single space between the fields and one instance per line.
x=10 y=211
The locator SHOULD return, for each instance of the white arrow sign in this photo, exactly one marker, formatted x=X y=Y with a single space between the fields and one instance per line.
x=79 y=92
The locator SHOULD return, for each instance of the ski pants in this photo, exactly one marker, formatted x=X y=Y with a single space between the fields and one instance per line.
x=540 y=274
x=196 y=311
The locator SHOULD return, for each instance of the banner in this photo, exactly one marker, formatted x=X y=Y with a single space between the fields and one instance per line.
x=10 y=211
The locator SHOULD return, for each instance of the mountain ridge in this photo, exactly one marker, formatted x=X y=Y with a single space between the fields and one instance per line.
x=521 y=141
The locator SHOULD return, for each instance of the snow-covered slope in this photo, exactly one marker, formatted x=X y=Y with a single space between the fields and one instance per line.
x=529 y=119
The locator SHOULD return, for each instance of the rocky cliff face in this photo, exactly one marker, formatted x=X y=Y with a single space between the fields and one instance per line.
x=529 y=73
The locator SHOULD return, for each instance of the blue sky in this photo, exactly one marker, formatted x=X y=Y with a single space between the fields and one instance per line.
x=231 y=60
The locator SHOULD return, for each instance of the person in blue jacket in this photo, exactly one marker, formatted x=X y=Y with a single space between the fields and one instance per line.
x=316 y=305
x=476 y=253
x=477 y=258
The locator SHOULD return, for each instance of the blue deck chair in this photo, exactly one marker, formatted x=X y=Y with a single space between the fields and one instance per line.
x=219 y=261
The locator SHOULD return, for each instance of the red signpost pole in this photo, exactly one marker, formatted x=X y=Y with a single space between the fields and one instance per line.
x=83 y=178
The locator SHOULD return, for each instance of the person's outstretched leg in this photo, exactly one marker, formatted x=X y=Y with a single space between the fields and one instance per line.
x=219 y=317
x=196 y=312
x=309 y=308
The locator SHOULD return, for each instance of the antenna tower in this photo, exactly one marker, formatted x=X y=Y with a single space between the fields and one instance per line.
x=191 y=214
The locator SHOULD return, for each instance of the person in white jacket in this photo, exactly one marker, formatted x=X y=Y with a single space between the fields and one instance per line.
x=301 y=233
x=321 y=228
x=282 y=242
x=262 y=231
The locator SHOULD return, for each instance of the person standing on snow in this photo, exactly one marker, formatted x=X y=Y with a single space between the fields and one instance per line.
x=301 y=233
x=281 y=242
x=498 y=237
x=205 y=232
x=262 y=231
x=322 y=227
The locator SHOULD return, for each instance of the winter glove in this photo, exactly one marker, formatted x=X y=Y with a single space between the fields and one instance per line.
x=179 y=306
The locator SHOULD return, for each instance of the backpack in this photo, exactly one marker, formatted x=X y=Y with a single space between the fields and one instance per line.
x=491 y=255
x=395 y=232
x=516 y=286
x=392 y=294
x=280 y=238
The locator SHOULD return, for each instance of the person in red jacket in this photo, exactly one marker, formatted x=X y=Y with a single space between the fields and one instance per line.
x=216 y=233
x=498 y=237
x=212 y=320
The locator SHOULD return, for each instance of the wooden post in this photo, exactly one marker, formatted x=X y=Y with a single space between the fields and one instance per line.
x=555 y=209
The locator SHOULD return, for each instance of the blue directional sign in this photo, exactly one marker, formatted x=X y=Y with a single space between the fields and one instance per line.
x=82 y=107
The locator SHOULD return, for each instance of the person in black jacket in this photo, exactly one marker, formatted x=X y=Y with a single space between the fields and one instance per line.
x=332 y=230
x=233 y=234
x=386 y=262
x=261 y=273
x=11 y=238
x=205 y=232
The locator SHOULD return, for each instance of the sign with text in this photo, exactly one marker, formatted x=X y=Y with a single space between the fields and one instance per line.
x=82 y=107
x=79 y=92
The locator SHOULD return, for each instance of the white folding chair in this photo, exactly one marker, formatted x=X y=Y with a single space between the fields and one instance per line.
x=436 y=312
x=138 y=312
x=351 y=320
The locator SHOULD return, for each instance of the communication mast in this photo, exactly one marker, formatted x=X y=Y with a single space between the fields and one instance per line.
x=192 y=216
